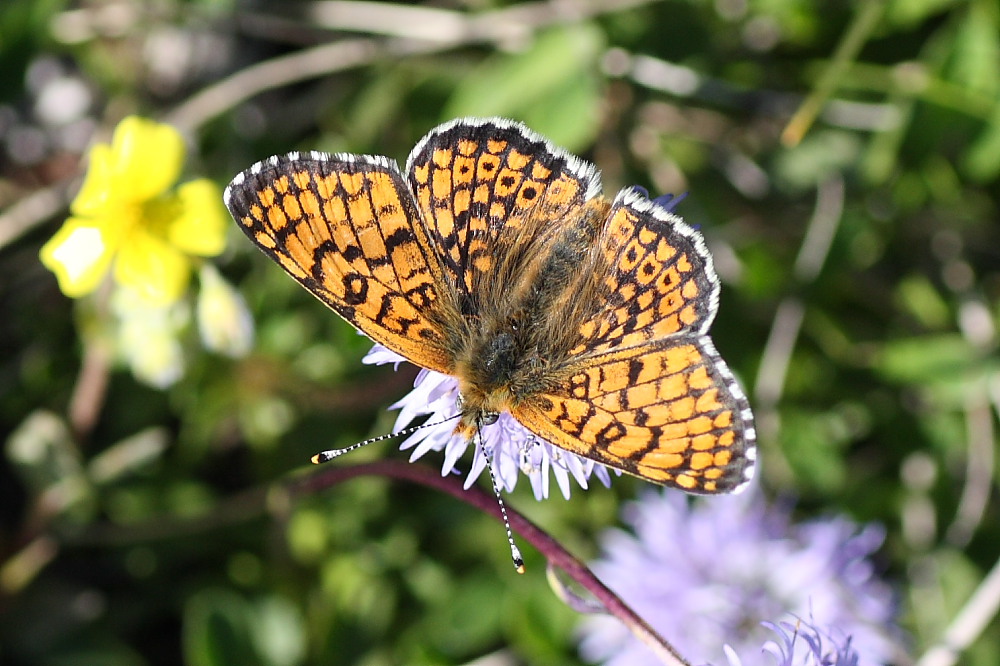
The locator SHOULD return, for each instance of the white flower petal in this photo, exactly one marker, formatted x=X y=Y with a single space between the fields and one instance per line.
x=435 y=395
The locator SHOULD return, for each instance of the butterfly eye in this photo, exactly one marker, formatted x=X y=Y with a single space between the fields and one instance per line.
x=488 y=418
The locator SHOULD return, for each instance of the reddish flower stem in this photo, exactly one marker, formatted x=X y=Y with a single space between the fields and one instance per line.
x=554 y=553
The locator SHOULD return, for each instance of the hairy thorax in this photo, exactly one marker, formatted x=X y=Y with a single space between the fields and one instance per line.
x=518 y=336
x=499 y=373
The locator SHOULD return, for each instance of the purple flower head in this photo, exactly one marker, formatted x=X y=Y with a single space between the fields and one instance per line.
x=667 y=201
x=707 y=573
x=514 y=450
x=802 y=644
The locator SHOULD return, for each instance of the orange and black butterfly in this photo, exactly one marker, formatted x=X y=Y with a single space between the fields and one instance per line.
x=495 y=259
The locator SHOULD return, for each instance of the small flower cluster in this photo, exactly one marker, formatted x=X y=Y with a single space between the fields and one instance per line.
x=128 y=222
x=512 y=448
x=802 y=644
x=711 y=575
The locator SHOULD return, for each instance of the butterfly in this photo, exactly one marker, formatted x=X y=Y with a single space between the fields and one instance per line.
x=495 y=259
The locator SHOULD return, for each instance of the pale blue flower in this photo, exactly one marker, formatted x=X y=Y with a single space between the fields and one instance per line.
x=706 y=573
x=802 y=644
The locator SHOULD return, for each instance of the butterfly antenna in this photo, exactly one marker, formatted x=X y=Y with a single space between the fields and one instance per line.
x=515 y=553
x=330 y=454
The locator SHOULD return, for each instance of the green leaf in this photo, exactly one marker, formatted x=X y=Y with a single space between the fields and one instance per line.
x=976 y=57
x=469 y=621
x=551 y=86
x=813 y=443
x=948 y=579
x=946 y=368
x=218 y=630
x=927 y=359
x=982 y=160
x=908 y=13
x=816 y=157
x=917 y=296
x=278 y=632
x=48 y=462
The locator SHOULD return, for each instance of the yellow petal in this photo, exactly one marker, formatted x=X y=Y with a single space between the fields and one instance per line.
x=79 y=254
x=97 y=185
x=200 y=228
x=153 y=269
x=147 y=158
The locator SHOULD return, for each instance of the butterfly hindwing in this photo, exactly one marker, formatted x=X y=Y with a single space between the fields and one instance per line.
x=656 y=278
x=668 y=411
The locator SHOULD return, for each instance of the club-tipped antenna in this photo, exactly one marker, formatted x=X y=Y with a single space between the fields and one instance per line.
x=330 y=454
x=515 y=553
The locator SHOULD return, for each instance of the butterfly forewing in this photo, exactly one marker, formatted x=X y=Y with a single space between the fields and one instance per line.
x=492 y=191
x=347 y=228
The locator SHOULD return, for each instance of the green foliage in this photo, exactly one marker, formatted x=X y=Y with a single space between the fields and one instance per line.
x=145 y=527
x=552 y=86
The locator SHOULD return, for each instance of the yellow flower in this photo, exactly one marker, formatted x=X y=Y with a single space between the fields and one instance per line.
x=126 y=218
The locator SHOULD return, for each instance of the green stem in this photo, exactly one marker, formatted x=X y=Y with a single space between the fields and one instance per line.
x=867 y=17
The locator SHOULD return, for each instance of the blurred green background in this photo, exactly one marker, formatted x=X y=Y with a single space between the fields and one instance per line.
x=841 y=158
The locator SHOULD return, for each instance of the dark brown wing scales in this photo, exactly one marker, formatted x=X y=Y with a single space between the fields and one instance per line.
x=489 y=189
x=347 y=228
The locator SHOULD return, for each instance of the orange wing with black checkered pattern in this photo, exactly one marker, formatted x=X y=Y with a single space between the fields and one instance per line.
x=658 y=282
x=667 y=411
x=490 y=190
x=347 y=228
x=644 y=390
x=499 y=263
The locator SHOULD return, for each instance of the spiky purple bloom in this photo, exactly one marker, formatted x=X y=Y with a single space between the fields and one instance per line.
x=513 y=449
x=802 y=644
x=707 y=573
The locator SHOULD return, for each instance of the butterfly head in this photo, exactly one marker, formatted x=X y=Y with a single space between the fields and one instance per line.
x=479 y=406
